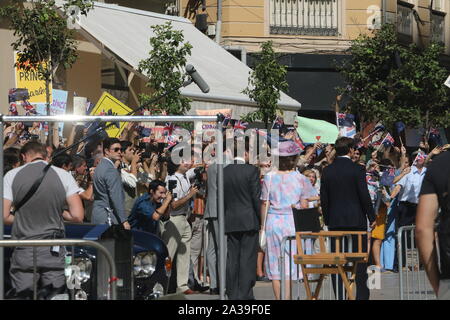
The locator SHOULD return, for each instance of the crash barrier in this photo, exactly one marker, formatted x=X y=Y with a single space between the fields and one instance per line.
x=72 y=281
x=414 y=284
x=309 y=246
x=129 y=118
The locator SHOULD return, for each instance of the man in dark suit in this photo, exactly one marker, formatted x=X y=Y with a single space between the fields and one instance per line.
x=346 y=205
x=242 y=190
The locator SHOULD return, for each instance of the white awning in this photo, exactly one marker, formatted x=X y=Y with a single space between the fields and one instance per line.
x=126 y=32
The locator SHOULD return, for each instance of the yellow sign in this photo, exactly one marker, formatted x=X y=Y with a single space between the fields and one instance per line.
x=31 y=80
x=107 y=105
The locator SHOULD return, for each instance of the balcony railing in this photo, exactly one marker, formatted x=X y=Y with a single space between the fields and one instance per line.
x=304 y=17
x=438 y=27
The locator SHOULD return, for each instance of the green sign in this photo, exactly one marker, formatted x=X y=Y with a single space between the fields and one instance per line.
x=312 y=130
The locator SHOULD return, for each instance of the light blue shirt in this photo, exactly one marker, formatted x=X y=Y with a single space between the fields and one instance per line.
x=411 y=184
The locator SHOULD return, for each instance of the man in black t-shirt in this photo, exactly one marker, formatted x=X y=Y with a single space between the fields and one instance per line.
x=432 y=197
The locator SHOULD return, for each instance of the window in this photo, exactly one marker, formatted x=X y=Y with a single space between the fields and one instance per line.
x=405 y=18
x=306 y=17
x=437 y=5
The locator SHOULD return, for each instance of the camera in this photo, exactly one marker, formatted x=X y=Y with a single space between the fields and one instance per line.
x=146 y=155
x=172 y=186
x=198 y=180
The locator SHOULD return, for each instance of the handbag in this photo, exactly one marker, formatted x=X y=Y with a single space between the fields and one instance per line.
x=262 y=234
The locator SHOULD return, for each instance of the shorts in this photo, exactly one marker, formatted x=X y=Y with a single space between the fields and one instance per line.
x=380 y=226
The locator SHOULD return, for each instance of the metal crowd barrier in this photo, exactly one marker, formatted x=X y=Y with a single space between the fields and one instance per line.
x=414 y=284
x=326 y=293
x=65 y=242
x=130 y=118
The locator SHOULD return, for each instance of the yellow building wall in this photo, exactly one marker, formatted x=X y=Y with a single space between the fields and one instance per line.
x=246 y=23
x=7 y=77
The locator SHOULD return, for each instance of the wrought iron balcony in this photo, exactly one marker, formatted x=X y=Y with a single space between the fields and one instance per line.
x=304 y=17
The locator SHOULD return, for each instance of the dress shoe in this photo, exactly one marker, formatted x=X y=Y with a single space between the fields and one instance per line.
x=200 y=288
x=263 y=278
x=189 y=291
x=214 y=291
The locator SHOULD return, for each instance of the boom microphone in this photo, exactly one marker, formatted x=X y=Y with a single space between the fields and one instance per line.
x=190 y=70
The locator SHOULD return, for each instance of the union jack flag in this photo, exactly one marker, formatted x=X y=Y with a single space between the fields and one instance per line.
x=171 y=141
x=168 y=128
x=279 y=123
x=240 y=125
x=226 y=121
x=378 y=127
x=387 y=177
x=435 y=136
x=420 y=156
x=299 y=142
x=345 y=120
x=349 y=132
x=262 y=133
x=13 y=109
x=346 y=123
x=388 y=140
x=29 y=108
x=360 y=144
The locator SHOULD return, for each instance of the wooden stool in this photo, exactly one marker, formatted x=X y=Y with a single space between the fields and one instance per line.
x=333 y=262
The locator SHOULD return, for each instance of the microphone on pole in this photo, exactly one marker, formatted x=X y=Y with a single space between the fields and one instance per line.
x=190 y=70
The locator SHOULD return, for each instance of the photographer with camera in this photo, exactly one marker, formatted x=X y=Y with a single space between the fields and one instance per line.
x=176 y=232
x=150 y=208
x=196 y=220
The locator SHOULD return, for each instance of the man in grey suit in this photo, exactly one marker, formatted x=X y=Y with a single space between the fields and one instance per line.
x=108 y=190
x=242 y=190
x=212 y=222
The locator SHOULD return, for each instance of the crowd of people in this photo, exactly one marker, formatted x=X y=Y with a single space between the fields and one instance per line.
x=137 y=184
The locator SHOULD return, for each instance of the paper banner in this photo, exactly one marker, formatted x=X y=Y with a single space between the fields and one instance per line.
x=32 y=81
x=107 y=104
x=312 y=130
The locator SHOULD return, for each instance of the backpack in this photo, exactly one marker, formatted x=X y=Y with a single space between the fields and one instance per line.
x=443 y=231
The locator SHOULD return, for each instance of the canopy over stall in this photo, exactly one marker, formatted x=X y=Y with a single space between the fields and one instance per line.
x=123 y=34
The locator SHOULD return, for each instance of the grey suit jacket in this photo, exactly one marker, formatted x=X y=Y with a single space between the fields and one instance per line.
x=211 y=207
x=108 y=192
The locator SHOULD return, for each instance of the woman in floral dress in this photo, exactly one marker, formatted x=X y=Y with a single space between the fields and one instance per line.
x=284 y=188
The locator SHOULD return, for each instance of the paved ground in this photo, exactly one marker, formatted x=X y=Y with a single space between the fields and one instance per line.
x=389 y=289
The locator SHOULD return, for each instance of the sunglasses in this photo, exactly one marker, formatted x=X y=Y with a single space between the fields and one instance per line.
x=117 y=149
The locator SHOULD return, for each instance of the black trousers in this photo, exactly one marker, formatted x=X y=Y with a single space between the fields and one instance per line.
x=241 y=264
x=362 y=291
x=406 y=217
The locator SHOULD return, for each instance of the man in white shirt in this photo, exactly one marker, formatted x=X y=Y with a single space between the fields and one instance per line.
x=410 y=186
x=177 y=233
x=39 y=217
x=129 y=173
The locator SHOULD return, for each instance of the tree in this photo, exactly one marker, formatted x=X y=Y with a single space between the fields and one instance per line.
x=43 y=38
x=264 y=85
x=165 y=69
x=390 y=82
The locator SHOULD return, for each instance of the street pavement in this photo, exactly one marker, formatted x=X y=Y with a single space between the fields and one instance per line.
x=389 y=289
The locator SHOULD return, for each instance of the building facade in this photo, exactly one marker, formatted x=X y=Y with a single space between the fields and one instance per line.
x=313 y=35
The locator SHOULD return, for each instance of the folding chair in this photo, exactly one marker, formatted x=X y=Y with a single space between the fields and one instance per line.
x=333 y=262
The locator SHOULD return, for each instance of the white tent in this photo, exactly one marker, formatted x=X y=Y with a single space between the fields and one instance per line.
x=124 y=33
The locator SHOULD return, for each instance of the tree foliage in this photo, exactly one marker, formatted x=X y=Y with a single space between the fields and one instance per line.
x=390 y=82
x=165 y=69
x=264 y=85
x=42 y=35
